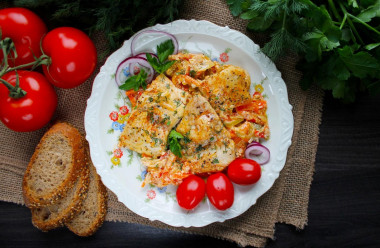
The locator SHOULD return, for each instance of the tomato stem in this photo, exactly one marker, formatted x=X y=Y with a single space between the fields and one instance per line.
x=7 y=46
x=14 y=91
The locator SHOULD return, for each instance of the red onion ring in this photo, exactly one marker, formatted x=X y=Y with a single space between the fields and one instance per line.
x=143 y=55
x=120 y=77
x=134 y=40
x=257 y=152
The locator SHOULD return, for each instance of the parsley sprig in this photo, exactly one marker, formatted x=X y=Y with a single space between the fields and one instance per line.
x=135 y=82
x=338 y=40
x=161 y=64
x=174 y=145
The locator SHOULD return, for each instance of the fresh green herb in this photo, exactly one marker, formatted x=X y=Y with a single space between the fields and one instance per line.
x=192 y=73
x=177 y=102
x=215 y=161
x=338 y=40
x=199 y=148
x=161 y=64
x=135 y=82
x=174 y=145
x=186 y=139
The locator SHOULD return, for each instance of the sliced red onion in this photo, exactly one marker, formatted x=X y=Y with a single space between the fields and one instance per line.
x=122 y=74
x=143 y=55
x=134 y=40
x=254 y=143
x=257 y=152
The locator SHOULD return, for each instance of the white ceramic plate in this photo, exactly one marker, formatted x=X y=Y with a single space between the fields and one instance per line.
x=121 y=170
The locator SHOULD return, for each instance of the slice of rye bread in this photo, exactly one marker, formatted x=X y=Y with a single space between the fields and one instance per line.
x=48 y=217
x=54 y=166
x=94 y=208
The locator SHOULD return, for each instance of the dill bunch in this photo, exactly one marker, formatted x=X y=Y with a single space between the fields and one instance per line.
x=117 y=19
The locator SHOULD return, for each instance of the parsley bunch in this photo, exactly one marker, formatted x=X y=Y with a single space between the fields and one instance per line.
x=339 y=41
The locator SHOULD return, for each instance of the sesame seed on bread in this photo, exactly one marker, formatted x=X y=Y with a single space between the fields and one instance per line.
x=94 y=208
x=54 y=166
x=51 y=216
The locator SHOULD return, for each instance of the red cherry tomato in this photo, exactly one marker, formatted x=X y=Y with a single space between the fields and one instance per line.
x=244 y=171
x=220 y=191
x=73 y=57
x=32 y=111
x=191 y=192
x=26 y=30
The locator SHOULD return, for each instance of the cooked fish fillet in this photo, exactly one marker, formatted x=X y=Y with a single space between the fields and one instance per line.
x=196 y=65
x=207 y=144
x=226 y=90
x=207 y=147
x=157 y=111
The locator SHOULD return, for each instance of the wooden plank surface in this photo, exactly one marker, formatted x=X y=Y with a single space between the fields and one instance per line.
x=344 y=209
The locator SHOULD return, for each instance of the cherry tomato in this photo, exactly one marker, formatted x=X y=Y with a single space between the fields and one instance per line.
x=191 y=192
x=73 y=57
x=32 y=111
x=26 y=30
x=220 y=191
x=244 y=171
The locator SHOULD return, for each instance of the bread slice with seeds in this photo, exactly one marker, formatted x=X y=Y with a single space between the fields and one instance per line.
x=54 y=166
x=48 y=217
x=94 y=208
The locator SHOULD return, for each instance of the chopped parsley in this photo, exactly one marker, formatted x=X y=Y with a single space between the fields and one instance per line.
x=215 y=161
x=192 y=73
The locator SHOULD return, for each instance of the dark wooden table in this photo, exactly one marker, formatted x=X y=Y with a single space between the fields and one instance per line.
x=344 y=209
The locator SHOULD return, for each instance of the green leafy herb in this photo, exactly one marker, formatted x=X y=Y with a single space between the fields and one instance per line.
x=215 y=161
x=135 y=82
x=337 y=40
x=174 y=145
x=161 y=64
x=118 y=20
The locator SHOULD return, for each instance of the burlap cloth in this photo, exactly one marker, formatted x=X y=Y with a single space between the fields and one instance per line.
x=287 y=201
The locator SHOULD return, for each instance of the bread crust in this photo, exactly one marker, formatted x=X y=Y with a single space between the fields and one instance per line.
x=69 y=212
x=102 y=205
x=34 y=200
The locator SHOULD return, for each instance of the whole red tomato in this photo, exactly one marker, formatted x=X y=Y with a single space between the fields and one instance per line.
x=244 y=171
x=32 y=111
x=73 y=57
x=26 y=30
x=191 y=192
x=220 y=191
